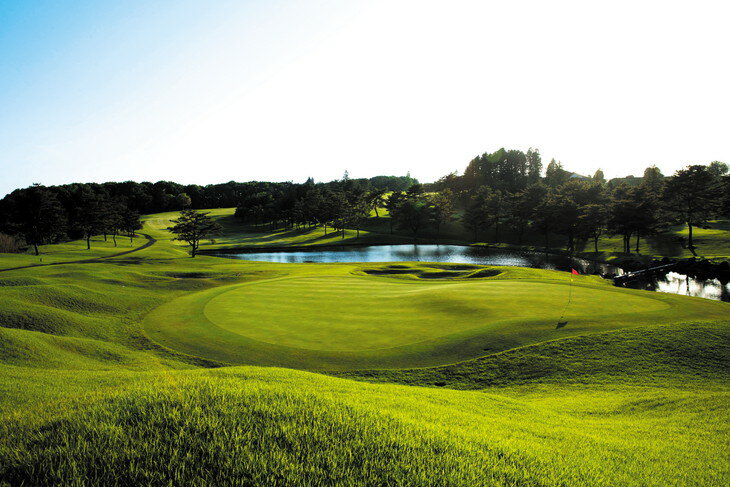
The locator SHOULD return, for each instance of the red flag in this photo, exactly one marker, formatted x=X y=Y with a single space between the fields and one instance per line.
x=574 y=272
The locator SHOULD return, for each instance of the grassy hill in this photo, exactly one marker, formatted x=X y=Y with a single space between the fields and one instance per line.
x=146 y=369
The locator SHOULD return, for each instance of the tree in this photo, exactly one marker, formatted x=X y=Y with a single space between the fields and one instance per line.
x=591 y=222
x=90 y=216
x=473 y=219
x=564 y=212
x=495 y=207
x=375 y=199
x=512 y=171
x=645 y=220
x=38 y=216
x=523 y=205
x=487 y=209
x=555 y=175
x=534 y=165
x=114 y=219
x=545 y=218
x=311 y=207
x=442 y=208
x=653 y=181
x=394 y=200
x=130 y=223
x=557 y=213
x=358 y=211
x=328 y=209
x=725 y=199
x=599 y=177
x=182 y=200
x=414 y=190
x=192 y=227
x=621 y=214
x=692 y=195
x=412 y=213
x=717 y=168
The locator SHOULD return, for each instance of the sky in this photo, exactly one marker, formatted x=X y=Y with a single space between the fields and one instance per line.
x=212 y=91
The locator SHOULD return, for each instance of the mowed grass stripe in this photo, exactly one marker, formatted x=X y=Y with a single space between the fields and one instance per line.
x=309 y=312
x=329 y=318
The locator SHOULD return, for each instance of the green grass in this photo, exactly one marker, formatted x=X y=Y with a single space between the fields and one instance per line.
x=70 y=251
x=688 y=354
x=116 y=373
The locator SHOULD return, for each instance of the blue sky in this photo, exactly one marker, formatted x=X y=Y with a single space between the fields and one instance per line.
x=206 y=92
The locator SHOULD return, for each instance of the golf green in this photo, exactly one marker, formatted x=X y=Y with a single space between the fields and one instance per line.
x=345 y=313
x=333 y=318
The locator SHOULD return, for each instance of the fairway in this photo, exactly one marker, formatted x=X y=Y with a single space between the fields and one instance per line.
x=345 y=313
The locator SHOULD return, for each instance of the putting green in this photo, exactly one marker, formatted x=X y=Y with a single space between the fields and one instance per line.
x=334 y=318
x=345 y=313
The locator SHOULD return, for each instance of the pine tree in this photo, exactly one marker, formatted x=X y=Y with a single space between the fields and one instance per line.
x=192 y=227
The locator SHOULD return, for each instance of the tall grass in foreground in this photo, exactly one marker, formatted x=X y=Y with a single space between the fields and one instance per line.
x=253 y=426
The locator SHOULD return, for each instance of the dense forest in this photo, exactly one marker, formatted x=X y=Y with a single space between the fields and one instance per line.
x=507 y=189
x=504 y=189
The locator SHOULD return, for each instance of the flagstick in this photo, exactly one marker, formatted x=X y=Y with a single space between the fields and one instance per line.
x=561 y=323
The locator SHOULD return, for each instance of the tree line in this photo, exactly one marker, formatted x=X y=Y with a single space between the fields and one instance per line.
x=40 y=215
x=505 y=190
x=336 y=205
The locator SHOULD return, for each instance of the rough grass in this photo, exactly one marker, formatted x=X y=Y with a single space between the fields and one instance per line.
x=687 y=353
x=280 y=427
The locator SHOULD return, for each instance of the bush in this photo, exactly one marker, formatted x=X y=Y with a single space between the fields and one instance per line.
x=10 y=244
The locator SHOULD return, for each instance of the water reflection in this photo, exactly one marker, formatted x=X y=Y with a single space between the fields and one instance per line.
x=666 y=282
x=431 y=253
x=676 y=283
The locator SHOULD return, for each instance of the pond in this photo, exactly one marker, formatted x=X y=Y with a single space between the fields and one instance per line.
x=459 y=254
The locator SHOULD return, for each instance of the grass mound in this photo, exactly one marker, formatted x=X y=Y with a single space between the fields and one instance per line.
x=22 y=348
x=213 y=432
x=668 y=353
x=253 y=426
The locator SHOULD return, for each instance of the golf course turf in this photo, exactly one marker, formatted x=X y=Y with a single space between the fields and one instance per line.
x=299 y=320
x=152 y=368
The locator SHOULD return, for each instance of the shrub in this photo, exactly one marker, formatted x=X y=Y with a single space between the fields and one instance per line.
x=10 y=244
